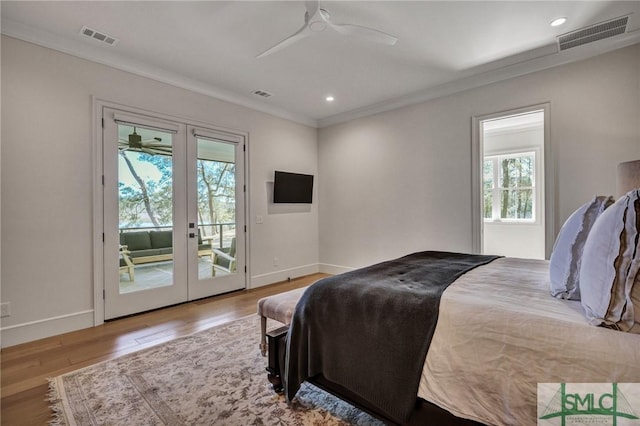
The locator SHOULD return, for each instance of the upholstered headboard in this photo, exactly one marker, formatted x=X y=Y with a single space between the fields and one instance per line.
x=628 y=177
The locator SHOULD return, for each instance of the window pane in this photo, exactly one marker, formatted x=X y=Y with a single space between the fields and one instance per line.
x=517 y=171
x=488 y=187
x=516 y=204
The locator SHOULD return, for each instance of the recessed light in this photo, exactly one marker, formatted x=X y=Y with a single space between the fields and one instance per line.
x=330 y=98
x=558 y=21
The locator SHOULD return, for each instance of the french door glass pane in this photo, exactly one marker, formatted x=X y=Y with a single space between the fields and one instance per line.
x=145 y=195
x=216 y=184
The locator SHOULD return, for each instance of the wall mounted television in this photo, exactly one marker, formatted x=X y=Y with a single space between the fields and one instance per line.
x=292 y=188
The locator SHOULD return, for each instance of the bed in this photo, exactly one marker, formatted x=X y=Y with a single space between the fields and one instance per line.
x=499 y=334
x=489 y=353
x=499 y=331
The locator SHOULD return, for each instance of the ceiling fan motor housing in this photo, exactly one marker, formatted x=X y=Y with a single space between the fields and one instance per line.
x=135 y=140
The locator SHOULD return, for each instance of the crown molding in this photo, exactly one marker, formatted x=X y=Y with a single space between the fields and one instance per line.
x=526 y=63
x=539 y=60
x=84 y=50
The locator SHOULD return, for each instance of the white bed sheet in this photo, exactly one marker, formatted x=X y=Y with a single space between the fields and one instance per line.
x=500 y=332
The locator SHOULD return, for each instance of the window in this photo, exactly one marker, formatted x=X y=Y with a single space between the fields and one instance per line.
x=509 y=187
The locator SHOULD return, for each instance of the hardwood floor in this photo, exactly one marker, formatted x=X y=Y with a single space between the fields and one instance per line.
x=25 y=368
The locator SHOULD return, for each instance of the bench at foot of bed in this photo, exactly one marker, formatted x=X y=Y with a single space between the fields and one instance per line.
x=278 y=307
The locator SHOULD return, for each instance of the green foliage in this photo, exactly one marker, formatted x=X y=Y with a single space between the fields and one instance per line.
x=216 y=191
x=215 y=186
x=131 y=205
x=514 y=188
x=488 y=188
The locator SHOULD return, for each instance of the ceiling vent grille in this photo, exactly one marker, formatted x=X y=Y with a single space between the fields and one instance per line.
x=99 y=36
x=262 y=93
x=593 y=33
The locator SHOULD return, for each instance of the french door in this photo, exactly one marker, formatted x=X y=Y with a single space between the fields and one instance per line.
x=174 y=212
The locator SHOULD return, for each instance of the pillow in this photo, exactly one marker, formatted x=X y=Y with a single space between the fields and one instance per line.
x=564 y=265
x=610 y=270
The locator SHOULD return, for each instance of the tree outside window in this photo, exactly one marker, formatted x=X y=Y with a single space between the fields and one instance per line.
x=146 y=184
x=509 y=187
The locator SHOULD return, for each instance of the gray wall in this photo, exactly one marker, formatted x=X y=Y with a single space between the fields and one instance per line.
x=388 y=184
x=47 y=182
x=399 y=181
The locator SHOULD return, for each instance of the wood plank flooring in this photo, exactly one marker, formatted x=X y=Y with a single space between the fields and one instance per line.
x=24 y=369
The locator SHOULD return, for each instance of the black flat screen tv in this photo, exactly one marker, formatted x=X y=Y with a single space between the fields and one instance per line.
x=292 y=188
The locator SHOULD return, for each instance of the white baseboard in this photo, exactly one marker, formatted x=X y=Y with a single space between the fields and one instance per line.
x=34 y=330
x=282 y=275
x=47 y=327
x=327 y=268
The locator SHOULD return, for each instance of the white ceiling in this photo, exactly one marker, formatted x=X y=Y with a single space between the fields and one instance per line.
x=211 y=47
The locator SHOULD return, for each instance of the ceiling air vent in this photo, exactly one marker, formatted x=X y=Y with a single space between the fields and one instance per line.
x=99 y=36
x=593 y=33
x=261 y=93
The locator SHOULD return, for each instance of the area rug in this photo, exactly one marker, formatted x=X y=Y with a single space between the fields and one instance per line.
x=213 y=377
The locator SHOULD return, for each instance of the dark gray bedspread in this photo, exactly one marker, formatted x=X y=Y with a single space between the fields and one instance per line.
x=369 y=330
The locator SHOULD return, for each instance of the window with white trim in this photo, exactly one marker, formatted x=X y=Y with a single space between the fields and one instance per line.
x=509 y=187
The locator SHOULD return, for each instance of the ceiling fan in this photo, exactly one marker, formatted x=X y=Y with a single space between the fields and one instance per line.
x=317 y=20
x=152 y=146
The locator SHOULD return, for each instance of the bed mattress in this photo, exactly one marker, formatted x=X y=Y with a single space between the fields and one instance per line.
x=500 y=333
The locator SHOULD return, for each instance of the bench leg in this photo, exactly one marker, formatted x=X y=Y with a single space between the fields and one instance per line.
x=277 y=341
x=263 y=336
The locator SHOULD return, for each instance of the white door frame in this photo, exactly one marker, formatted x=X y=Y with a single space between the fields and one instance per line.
x=98 y=194
x=477 y=149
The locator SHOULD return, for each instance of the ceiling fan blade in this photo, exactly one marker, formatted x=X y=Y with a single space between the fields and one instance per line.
x=163 y=149
x=298 y=35
x=159 y=151
x=312 y=7
x=365 y=33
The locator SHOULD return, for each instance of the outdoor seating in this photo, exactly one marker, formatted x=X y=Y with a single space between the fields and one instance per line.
x=155 y=246
x=225 y=260
x=126 y=265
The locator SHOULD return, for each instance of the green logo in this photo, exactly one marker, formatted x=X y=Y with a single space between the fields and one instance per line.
x=591 y=404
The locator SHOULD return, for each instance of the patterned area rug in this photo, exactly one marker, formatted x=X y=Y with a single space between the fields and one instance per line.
x=214 y=377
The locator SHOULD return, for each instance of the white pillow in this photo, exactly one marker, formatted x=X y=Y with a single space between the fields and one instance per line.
x=564 y=265
x=610 y=270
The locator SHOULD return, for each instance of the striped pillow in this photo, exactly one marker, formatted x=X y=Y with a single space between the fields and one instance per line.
x=610 y=270
x=564 y=265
